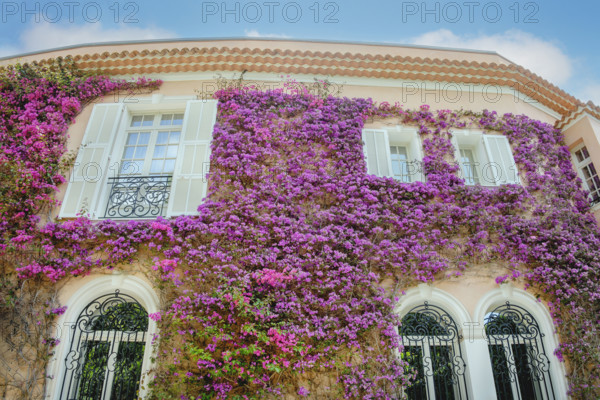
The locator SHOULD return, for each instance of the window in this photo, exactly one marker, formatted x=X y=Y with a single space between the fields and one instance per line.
x=152 y=144
x=393 y=152
x=430 y=340
x=519 y=362
x=142 y=160
x=468 y=164
x=484 y=159
x=107 y=350
x=587 y=172
x=146 y=168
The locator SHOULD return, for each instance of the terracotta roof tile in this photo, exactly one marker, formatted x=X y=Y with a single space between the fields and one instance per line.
x=342 y=63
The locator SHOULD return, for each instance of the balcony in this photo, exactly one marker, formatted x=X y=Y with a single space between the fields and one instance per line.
x=133 y=197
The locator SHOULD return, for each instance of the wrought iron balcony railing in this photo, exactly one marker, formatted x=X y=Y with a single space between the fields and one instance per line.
x=138 y=196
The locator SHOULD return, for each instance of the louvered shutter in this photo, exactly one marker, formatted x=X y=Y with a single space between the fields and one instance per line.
x=457 y=158
x=91 y=165
x=416 y=156
x=499 y=153
x=377 y=152
x=190 y=177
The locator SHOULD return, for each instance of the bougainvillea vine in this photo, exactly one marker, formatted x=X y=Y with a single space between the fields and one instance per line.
x=284 y=281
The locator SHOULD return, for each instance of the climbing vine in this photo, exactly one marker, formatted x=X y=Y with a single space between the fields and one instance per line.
x=37 y=104
x=284 y=283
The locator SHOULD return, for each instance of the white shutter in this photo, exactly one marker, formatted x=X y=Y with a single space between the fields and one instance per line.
x=377 y=152
x=457 y=158
x=499 y=153
x=190 y=177
x=416 y=157
x=91 y=165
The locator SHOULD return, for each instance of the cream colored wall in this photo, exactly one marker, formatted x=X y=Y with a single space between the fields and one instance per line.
x=411 y=94
x=445 y=99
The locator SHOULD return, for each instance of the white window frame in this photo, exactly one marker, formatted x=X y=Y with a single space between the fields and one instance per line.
x=405 y=136
x=579 y=168
x=489 y=173
x=153 y=130
x=116 y=155
x=185 y=174
x=94 y=287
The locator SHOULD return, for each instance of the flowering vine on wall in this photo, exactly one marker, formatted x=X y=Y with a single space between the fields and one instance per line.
x=276 y=286
x=37 y=104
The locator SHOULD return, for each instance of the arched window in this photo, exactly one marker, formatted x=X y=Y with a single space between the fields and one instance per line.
x=519 y=361
x=430 y=338
x=107 y=350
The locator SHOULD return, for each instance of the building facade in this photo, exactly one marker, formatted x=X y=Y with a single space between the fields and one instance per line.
x=143 y=156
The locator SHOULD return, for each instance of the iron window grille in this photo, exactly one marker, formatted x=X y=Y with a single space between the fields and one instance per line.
x=430 y=340
x=519 y=362
x=138 y=196
x=107 y=349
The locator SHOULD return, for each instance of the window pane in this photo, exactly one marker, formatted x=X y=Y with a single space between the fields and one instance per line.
x=172 y=152
x=524 y=372
x=93 y=372
x=414 y=356
x=169 y=166
x=148 y=120
x=177 y=119
x=132 y=139
x=441 y=357
x=163 y=138
x=501 y=373
x=128 y=371
x=160 y=152
x=156 y=167
x=166 y=119
x=467 y=156
x=585 y=153
x=128 y=152
x=399 y=156
x=144 y=138
x=121 y=316
x=131 y=167
x=140 y=152
x=136 y=120
x=174 y=138
x=592 y=168
x=469 y=166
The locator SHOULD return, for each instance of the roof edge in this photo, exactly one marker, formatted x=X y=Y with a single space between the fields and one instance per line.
x=246 y=38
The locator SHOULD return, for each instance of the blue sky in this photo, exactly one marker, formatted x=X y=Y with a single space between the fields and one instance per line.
x=555 y=39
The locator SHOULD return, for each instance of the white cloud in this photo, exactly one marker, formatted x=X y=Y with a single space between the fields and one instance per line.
x=42 y=36
x=542 y=57
x=255 y=34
